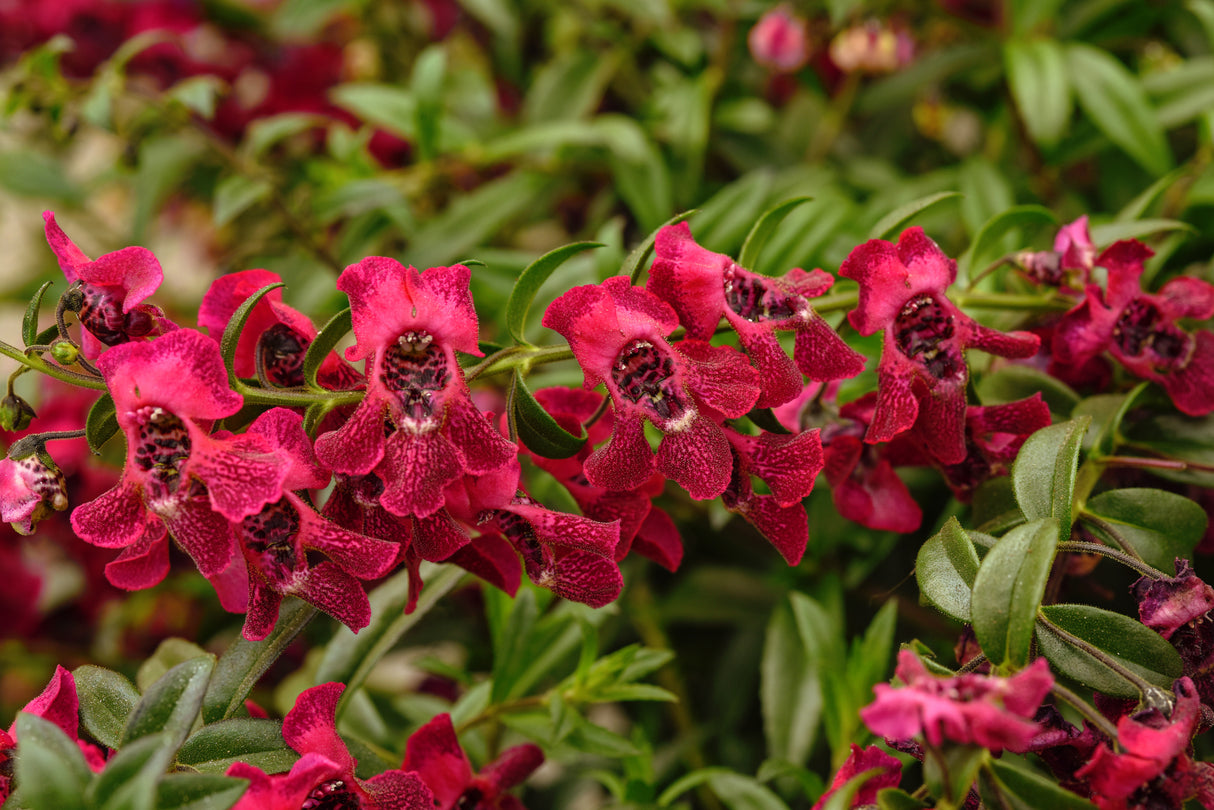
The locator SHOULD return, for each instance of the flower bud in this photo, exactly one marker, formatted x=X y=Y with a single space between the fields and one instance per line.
x=779 y=41
x=64 y=353
x=15 y=413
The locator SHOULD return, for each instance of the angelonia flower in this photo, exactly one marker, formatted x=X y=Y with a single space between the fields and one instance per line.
x=888 y=775
x=617 y=333
x=31 y=487
x=779 y=41
x=1178 y=608
x=112 y=289
x=1069 y=264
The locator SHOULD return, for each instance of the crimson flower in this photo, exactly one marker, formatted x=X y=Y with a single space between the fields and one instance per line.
x=113 y=288
x=861 y=760
x=984 y=710
x=702 y=286
x=417 y=426
x=324 y=776
x=1140 y=329
x=779 y=41
x=993 y=437
x=1178 y=608
x=31 y=487
x=618 y=334
x=434 y=753
x=1152 y=768
x=922 y=374
x=166 y=393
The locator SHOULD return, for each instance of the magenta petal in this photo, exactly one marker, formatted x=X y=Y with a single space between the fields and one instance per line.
x=697 y=459
x=415 y=469
x=262 y=613
x=786 y=527
x=574 y=531
x=779 y=378
x=587 y=317
x=491 y=557
x=1015 y=345
x=434 y=753
x=232 y=585
x=1192 y=387
x=240 y=474
x=1189 y=297
x=310 y=727
x=941 y=422
x=142 y=564
x=134 y=269
x=721 y=376
x=283 y=430
x=114 y=519
x=436 y=537
x=689 y=278
x=181 y=371
x=364 y=557
x=397 y=790
x=203 y=534
x=658 y=539
x=822 y=355
x=513 y=766
x=897 y=407
x=58 y=703
x=358 y=445
x=625 y=462
x=585 y=577
x=788 y=464
x=483 y=447
x=336 y=593
x=71 y=258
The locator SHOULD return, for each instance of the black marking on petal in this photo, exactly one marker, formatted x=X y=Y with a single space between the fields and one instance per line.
x=922 y=332
x=643 y=374
x=416 y=369
x=756 y=299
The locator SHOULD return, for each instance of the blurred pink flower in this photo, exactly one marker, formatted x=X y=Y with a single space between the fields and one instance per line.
x=779 y=40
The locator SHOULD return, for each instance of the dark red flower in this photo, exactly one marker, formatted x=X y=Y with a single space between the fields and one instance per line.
x=922 y=373
x=618 y=334
x=417 y=426
x=31 y=488
x=993 y=437
x=1140 y=329
x=702 y=286
x=863 y=760
x=434 y=753
x=1178 y=608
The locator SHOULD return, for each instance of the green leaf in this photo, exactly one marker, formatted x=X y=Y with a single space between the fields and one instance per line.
x=1008 y=590
x=169 y=653
x=569 y=87
x=1014 y=382
x=1129 y=642
x=265 y=132
x=106 y=702
x=530 y=281
x=27 y=173
x=945 y=569
x=734 y=790
x=29 y=324
x=1117 y=104
x=197 y=791
x=231 y=333
x=1157 y=525
x=130 y=776
x=1036 y=72
x=510 y=644
x=987 y=242
x=643 y=182
x=256 y=741
x=101 y=423
x=895 y=799
x=536 y=427
x=1043 y=475
x=234 y=195
x=244 y=662
x=893 y=222
x=326 y=340
x=51 y=770
x=634 y=265
x=391 y=108
x=1115 y=231
x=1033 y=790
x=198 y=94
x=790 y=690
x=172 y=703
x=756 y=240
x=427 y=85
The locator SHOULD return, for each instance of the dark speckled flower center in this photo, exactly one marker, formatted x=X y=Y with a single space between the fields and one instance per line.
x=469 y=799
x=521 y=535
x=753 y=298
x=332 y=795
x=922 y=332
x=163 y=445
x=415 y=370
x=271 y=534
x=1141 y=328
x=280 y=355
x=101 y=314
x=643 y=374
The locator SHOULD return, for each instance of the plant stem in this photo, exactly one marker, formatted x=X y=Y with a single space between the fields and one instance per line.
x=1086 y=709
x=1129 y=561
x=1100 y=655
x=36 y=363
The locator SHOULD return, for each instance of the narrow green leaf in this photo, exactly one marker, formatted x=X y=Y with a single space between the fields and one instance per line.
x=1138 y=207
x=385 y=106
x=244 y=662
x=172 y=703
x=266 y=132
x=510 y=644
x=106 y=702
x=893 y=222
x=427 y=85
x=1158 y=525
x=986 y=243
x=101 y=423
x=1203 y=10
x=1115 y=231
x=536 y=427
x=1129 y=642
x=198 y=791
x=790 y=690
x=231 y=333
x=234 y=195
x=756 y=240
x=530 y=281
x=1036 y=72
x=169 y=653
x=1043 y=475
x=1035 y=790
x=1008 y=590
x=51 y=771
x=945 y=569
x=896 y=799
x=130 y=776
x=1117 y=104
x=634 y=265
x=29 y=324
x=256 y=741
x=329 y=336
x=1013 y=382
x=735 y=791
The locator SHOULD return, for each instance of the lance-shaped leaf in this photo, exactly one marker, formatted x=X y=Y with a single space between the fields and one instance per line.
x=1158 y=525
x=326 y=340
x=1009 y=784
x=51 y=771
x=101 y=423
x=254 y=740
x=198 y=791
x=106 y=702
x=29 y=324
x=130 y=776
x=634 y=265
x=1114 y=231
x=1043 y=475
x=171 y=703
x=987 y=241
x=429 y=69
x=231 y=333
x=530 y=281
x=756 y=240
x=790 y=688
x=893 y=222
x=945 y=569
x=1036 y=72
x=1008 y=590
x=1126 y=641
x=536 y=427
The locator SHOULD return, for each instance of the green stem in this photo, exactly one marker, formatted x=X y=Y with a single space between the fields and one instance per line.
x=505 y=707
x=523 y=357
x=1079 y=547
x=1086 y=709
x=1027 y=303
x=36 y=363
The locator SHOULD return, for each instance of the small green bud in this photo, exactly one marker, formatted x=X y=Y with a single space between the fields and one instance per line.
x=15 y=413
x=64 y=353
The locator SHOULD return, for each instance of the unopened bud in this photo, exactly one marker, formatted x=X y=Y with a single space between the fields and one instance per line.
x=15 y=413
x=72 y=300
x=64 y=353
